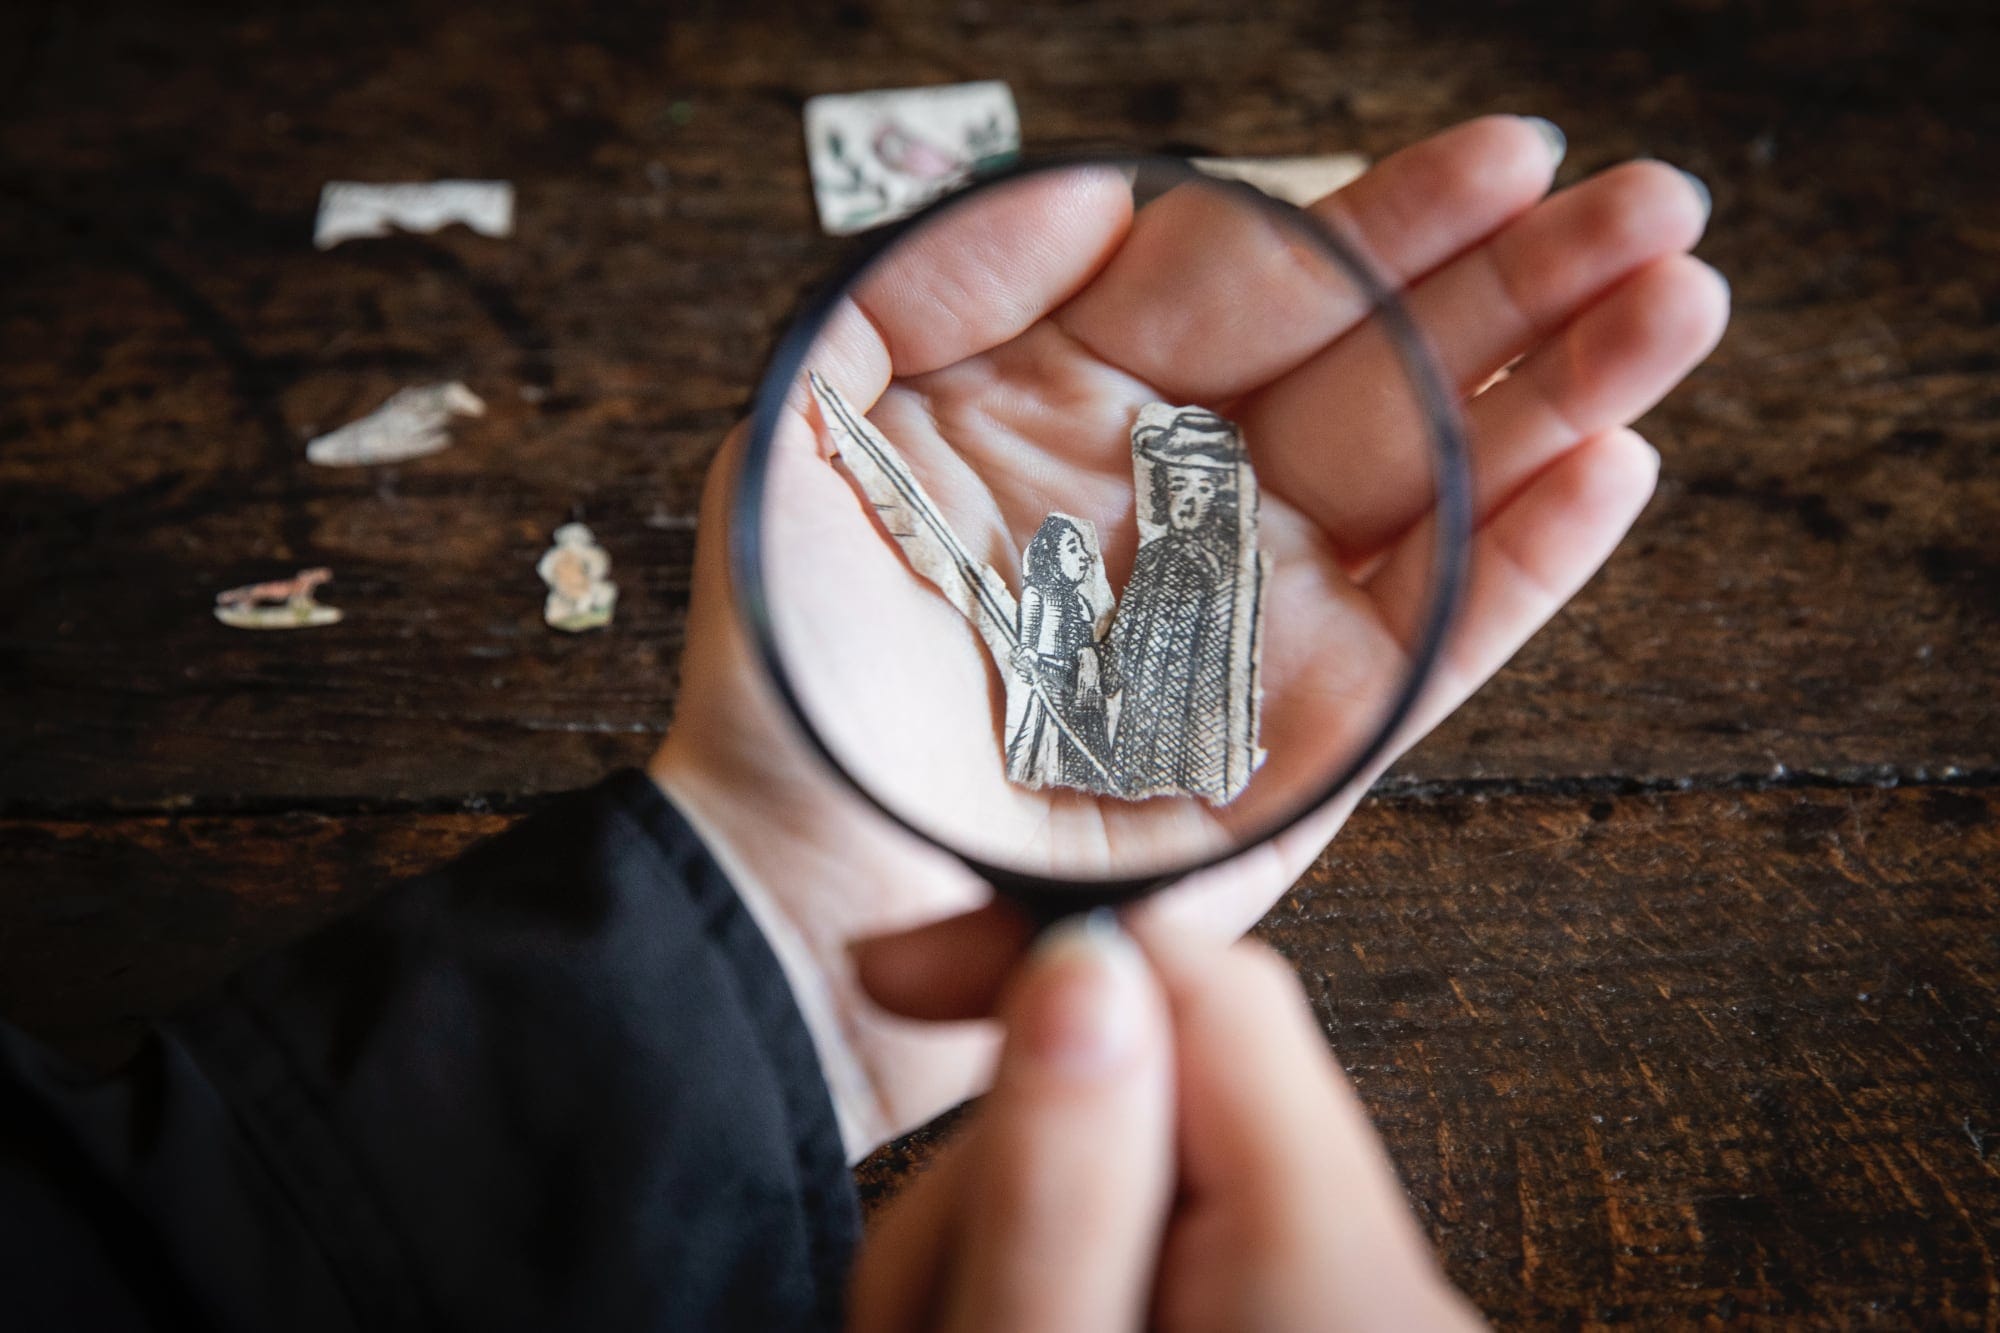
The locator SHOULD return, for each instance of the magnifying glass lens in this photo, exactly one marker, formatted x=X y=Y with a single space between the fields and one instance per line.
x=1093 y=522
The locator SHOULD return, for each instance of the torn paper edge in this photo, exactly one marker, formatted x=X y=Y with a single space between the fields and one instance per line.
x=918 y=526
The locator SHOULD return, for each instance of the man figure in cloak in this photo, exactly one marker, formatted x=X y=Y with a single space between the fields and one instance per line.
x=1172 y=647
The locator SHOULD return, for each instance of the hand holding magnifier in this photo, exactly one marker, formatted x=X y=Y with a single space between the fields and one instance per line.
x=1006 y=351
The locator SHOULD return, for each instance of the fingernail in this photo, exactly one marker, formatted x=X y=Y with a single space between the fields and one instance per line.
x=1088 y=984
x=1553 y=136
x=1658 y=462
x=1700 y=191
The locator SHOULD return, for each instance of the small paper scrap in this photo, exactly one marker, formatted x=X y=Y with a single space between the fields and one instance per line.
x=577 y=569
x=411 y=424
x=350 y=209
x=1296 y=180
x=281 y=604
x=878 y=156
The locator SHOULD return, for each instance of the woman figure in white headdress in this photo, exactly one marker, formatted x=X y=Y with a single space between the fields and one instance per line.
x=1057 y=737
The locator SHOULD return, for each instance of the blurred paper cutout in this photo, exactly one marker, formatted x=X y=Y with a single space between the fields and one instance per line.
x=1296 y=180
x=280 y=604
x=577 y=571
x=411 y=424
x=352 y=209
x=878 y=156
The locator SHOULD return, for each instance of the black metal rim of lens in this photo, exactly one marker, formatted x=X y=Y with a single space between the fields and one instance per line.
x=1049 y=896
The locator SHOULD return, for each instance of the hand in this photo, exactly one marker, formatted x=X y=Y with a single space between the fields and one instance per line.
x=1165 y=1146
x=1591 y=288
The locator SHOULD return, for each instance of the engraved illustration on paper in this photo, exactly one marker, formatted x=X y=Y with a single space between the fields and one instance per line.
x=1155 y=695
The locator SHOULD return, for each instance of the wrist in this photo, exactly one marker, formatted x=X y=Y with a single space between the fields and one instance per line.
x=819 y=868
x=824 y=997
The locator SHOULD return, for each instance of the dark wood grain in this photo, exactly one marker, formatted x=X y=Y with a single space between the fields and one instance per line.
x=1671 y=1059
x=1670 y=968
x=1813 y=592
x=109 y=924
x=1656 y=1059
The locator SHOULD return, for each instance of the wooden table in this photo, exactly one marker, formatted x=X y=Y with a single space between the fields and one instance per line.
x=1668 y=967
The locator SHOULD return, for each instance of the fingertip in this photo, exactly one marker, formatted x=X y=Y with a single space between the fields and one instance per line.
x=1652 y=461
x=1198 y=972
x=1620 y=357
x=1174 y=947
x=983 y=272
x=1722 y=302
x=1639 y=208
x=1600 y=488
x=1630 y=463
x=1673 y=316
x=1722 y=281
x=1258 y=1084
x=1098 y=199
x=1507 y=158
x=1552 y=137
x=851 y=355
x=1703 y=294
x=1084 y=1005
x=1437 y=198
x=1695 y=186
x=1074 y=1143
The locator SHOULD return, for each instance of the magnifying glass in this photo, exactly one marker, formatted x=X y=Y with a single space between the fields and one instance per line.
x=1101 y=522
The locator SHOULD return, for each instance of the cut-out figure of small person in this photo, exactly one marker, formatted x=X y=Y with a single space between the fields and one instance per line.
x=1183 y=647
x=576 y=568
x=1058 y=736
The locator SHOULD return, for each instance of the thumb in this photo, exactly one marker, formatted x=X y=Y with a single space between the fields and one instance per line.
x=1069 y=1171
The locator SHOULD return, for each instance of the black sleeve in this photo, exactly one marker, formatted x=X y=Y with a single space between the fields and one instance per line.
x=560 y=1084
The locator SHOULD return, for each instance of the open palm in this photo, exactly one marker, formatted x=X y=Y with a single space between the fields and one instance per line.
x=1005 y=353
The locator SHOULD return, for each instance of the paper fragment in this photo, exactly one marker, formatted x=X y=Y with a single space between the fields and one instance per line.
x=1153 y=696
x=411 y=424
x=281 y=604
x=350 y=209
x=920 y=529
x=1187 y=643
x=909 y=514
x=1059 y=711
x=878 y=156
x=576 y=570
x=1296 y=180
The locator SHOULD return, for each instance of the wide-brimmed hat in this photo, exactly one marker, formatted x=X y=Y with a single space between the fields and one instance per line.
x=1195 y=437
